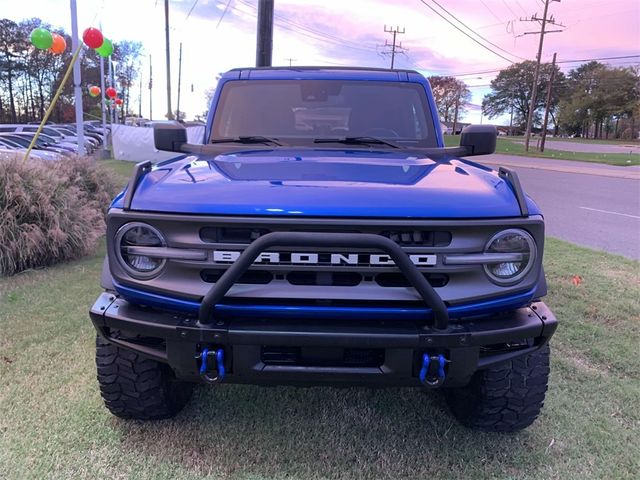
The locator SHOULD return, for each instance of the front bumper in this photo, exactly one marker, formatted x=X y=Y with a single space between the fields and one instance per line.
x=328 y=352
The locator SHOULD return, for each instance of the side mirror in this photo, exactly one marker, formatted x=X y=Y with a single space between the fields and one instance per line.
x=479 y=139
x=169 y=137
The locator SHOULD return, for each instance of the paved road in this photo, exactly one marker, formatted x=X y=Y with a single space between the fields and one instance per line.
x=590 y=147
x=593 y=205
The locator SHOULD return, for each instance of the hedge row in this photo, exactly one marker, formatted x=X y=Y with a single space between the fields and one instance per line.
x=51 y=212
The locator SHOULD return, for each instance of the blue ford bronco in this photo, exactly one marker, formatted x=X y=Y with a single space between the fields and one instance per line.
x=322 y=234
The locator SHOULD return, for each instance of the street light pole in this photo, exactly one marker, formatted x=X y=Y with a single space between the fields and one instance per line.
x=77 y=88
x=104 y=107
x=168 y=51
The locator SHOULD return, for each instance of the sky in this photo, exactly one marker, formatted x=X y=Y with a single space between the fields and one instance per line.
x=218 y=35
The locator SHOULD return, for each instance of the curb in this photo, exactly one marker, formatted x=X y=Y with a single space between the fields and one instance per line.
x=632 y=175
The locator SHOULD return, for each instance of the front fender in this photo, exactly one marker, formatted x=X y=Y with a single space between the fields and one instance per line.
x=106 y=280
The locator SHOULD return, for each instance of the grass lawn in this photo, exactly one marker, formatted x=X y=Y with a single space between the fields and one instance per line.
x=120 y=167
x=53 y=424
x=512 y=147
x=591 y=140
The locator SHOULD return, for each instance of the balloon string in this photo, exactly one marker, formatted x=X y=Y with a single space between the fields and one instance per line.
x=53 y=102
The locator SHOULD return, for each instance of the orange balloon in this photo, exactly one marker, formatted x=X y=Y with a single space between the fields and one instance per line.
x=59 y=44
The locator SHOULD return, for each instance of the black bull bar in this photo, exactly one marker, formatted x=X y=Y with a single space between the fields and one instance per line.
x=332 y=240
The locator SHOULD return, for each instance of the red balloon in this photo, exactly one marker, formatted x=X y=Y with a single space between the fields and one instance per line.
x=92 y=37
x=111 y=92
x=119 y=101
x=59 y=44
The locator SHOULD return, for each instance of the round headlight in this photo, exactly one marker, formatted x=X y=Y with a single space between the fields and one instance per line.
x=512 y=241
x=137 y=234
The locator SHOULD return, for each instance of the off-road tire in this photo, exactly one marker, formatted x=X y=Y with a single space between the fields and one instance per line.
x=135 y=387
x=504 y=398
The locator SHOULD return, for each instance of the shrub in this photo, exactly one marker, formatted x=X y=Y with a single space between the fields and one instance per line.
x=51 y=211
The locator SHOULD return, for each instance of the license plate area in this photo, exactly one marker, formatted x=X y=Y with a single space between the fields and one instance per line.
x=322 y=356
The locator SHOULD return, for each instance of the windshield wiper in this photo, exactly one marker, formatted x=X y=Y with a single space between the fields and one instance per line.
x=357 y=141
x=248 y=140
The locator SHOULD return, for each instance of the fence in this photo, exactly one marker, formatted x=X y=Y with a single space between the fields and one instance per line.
x=135 y=144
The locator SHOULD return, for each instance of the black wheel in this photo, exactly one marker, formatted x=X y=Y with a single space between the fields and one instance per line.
x=135 y=387
x=504 y=398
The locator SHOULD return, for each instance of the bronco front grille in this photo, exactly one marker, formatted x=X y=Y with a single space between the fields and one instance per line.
x=404 y=237
x=324 y=278
x=303 y=274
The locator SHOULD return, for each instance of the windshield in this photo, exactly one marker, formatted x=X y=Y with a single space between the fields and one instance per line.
x=20 y=141
x=301 y=111
x=49 y=131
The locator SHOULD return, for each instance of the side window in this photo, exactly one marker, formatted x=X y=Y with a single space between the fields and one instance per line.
x=8 y=129
x=416 y=122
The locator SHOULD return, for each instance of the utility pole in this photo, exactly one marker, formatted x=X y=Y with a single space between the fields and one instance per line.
x=548 y=106
x=179 y=79
x=291 y=60
x=77 y=88
x=534 y=90
x=140 y=97
x=168 y=50
x=264 y=39
x=150 y=89
x=455 y=115
x=511 y=122
x=394 y=47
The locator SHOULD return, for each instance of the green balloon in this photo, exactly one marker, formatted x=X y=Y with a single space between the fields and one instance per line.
x=105 y=49
x=41 y=38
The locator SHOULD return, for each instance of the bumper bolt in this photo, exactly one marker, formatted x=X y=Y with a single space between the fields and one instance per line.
x=183 y=334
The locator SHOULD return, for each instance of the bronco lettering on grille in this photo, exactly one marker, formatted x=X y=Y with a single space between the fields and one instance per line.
x=304 y=258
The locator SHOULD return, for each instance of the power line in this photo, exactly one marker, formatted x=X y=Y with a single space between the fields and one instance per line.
x=521 y=7
x=191 y=10
x=463 y=32
x=491 y=11
x=582 y=60
x=511 y=10
x=226 y=8
x=597 y=59
x=475 y=33
x=309 y=32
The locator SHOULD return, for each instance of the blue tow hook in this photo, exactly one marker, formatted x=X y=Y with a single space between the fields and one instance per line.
x=218 y=357
x=432 y=381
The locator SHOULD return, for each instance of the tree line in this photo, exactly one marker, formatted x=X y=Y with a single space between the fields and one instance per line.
x=593 y=100
x=30 y=77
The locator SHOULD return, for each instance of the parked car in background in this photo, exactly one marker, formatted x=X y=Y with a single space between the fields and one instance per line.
x=66 y=140
x=11 y=147
x=24 y=139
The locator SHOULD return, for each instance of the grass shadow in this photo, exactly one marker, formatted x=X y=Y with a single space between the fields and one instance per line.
x=320 y=432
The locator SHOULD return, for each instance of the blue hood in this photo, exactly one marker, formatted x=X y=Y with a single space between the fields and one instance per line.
x=326 y=183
